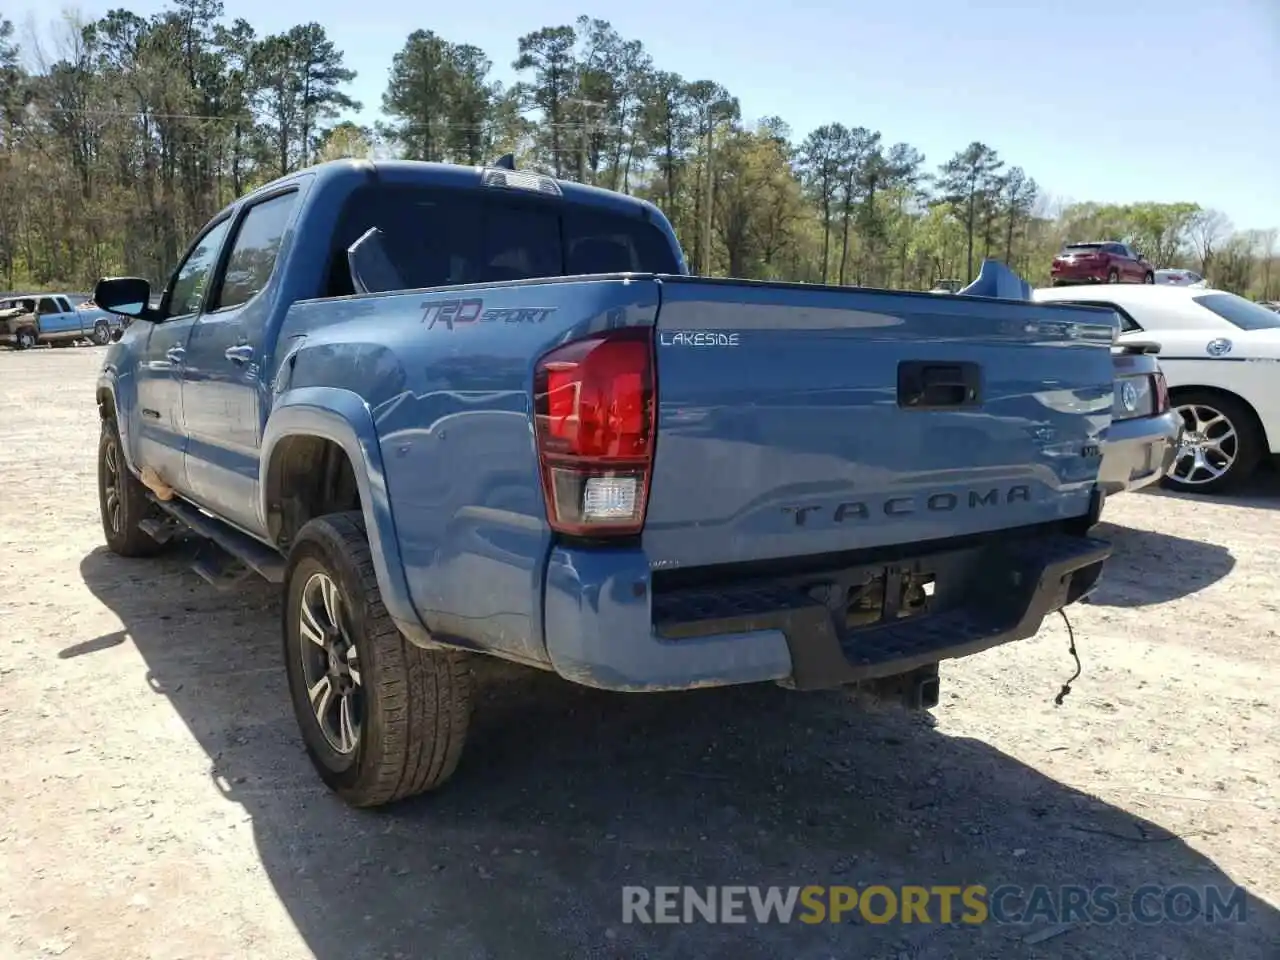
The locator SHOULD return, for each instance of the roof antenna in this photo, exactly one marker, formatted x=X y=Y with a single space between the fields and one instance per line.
x=506 y=162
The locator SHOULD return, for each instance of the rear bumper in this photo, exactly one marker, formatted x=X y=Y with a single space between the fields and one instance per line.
x=1138 y=452
x=1077 y=275
x=607 y=628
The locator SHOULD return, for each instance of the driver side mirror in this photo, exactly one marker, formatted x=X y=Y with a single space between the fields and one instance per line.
x=126 y=296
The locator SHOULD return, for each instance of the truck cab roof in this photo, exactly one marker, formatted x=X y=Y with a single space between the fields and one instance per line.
x=351 y=172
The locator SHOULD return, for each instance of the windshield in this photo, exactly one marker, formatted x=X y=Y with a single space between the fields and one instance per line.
x=1240 y=312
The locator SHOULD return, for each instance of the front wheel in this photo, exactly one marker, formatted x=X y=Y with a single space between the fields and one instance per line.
x=381 y=719
x=122 y=499
x=1220 y=443
x=1149 y=278
x=1113 y=276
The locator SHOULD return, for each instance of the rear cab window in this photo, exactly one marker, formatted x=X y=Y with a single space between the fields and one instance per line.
x=1239 y=312
x=443 y=237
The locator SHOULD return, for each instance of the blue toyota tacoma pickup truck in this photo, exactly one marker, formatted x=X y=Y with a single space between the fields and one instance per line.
x=459 y=411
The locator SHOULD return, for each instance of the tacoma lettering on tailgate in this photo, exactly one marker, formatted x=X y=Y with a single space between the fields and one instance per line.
x=892 y=507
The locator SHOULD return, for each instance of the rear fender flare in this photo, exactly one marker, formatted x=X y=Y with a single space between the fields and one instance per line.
x=343 y=417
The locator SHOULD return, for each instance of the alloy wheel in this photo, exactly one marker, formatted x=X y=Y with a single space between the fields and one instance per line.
x=111 y=485
x=330 y=663
x=1208 y=448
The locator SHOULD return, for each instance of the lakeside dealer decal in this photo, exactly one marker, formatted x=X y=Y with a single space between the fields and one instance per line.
x=696 y=338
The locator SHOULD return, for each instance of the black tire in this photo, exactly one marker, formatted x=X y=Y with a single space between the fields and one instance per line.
x=1247 y=449
x=122 y=499
x=1113 y=276
x=26 y=339
x=413 y=706
x=1149 y=277
x=102 y=333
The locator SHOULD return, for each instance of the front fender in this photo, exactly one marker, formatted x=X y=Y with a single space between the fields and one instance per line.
x=121 y=404
x=343 y=417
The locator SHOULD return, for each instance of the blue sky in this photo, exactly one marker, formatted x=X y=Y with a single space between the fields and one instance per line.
x=1114 y=102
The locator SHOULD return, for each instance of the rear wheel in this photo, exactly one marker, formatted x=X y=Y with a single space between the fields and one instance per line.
x=1113 y=276
x=381 y=719
x=26 y=339
x=1149 y=278
x=1220 y=446
x=101 y=333
x=122 y=499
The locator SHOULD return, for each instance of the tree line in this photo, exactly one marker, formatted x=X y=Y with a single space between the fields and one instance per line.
x=118 y=143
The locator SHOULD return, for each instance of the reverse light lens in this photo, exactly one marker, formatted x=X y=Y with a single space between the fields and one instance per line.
x=610 y=498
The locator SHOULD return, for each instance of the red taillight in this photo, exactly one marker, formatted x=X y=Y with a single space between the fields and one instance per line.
x=1161 y=391
x=593 y=405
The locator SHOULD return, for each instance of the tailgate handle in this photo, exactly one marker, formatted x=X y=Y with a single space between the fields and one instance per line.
x=932 y=385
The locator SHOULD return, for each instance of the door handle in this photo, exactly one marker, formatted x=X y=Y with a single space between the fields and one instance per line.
x=175 y=354
x=240 y=353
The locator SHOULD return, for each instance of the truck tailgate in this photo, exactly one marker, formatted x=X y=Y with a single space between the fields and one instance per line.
x=795 y=421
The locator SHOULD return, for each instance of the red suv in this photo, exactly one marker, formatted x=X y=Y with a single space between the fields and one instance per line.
x=1102 y=262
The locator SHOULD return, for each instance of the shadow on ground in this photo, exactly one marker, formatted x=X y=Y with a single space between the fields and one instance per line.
x=1261 y=491
x=565 y=795
x=1147 y=567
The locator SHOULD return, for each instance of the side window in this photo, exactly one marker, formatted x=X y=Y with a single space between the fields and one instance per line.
x=47 y=306
x=254 y=251
x=520 y=241
x=63 y=306
x=189 y=283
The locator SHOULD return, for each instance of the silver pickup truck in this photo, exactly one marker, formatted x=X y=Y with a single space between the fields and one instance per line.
x=1142 y=439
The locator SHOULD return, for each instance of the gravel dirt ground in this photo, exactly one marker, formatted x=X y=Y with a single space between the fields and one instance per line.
x=157 y=802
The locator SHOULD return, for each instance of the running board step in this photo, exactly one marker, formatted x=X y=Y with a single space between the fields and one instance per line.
x=220 y=569
x=264 y=561
x=160 y=530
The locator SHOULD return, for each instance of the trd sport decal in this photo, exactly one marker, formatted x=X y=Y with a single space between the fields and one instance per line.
x=472 y=310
